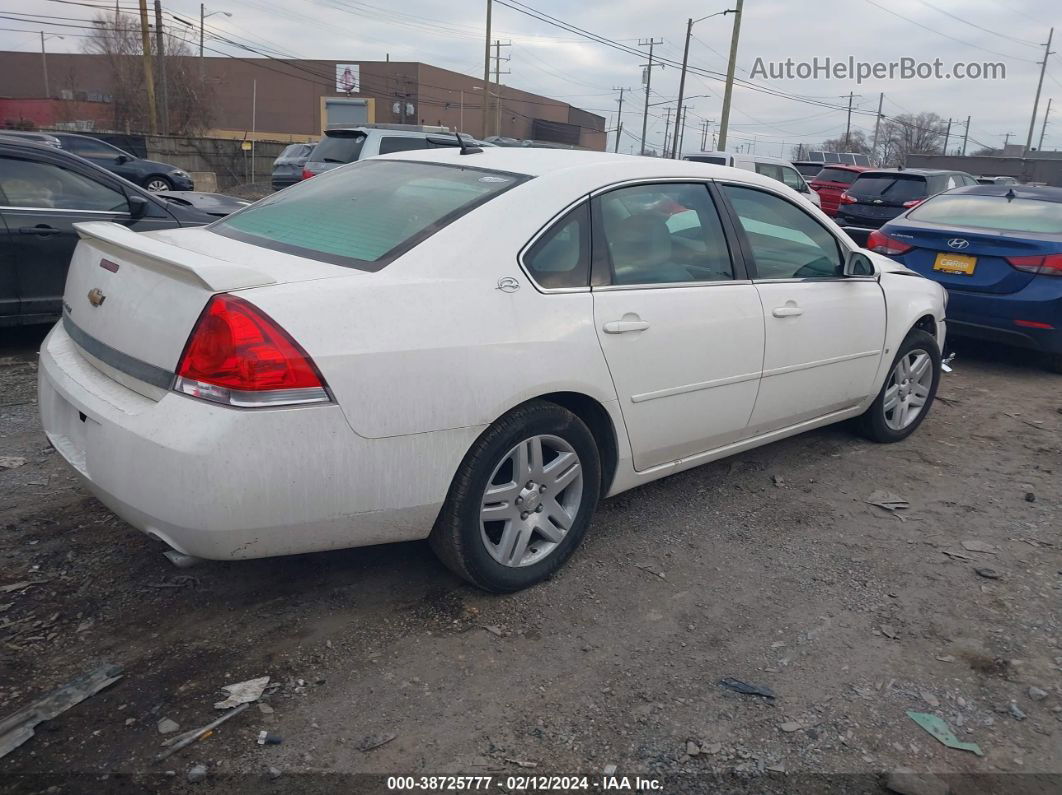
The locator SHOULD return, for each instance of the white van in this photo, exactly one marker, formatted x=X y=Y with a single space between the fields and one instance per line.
x=773 y=167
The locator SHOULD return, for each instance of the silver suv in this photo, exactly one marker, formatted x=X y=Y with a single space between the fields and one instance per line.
x=341 y=145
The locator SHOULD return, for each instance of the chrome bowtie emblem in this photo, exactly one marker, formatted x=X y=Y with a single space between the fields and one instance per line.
x=507 y=284
x=958 y=242
x=96 y=297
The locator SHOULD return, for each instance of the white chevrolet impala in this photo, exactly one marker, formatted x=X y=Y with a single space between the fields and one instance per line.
x=472 y=347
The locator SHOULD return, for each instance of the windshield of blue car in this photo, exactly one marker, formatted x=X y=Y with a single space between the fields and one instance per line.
x=367 y=214
x=991 y=212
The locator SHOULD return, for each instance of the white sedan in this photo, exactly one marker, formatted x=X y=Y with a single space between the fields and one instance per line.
x=469 y=346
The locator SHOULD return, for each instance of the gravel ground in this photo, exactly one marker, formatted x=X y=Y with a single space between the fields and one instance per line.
x=769 y=568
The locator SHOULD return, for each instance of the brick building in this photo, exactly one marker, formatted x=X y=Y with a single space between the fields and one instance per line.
x=296 y=99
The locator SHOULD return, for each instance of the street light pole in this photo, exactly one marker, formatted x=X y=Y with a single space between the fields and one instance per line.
x=724 y=119
x=685 y=60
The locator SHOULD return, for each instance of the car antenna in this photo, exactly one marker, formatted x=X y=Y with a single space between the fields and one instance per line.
x=465 y=148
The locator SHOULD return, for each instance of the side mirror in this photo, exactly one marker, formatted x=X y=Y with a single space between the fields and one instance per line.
x=858 y=264
x=121 y=159
x=137 y=205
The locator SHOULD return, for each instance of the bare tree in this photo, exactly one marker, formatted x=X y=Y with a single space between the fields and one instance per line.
x=857 y=142
x=910 y=133
x=116 y=37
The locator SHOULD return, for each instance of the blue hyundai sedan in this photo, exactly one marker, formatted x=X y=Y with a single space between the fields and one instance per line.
x=997 y=250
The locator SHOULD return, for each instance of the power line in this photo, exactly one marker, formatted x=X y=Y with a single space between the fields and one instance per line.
x=1026 y=42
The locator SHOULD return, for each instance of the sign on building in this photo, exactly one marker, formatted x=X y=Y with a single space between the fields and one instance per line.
x=348 y=78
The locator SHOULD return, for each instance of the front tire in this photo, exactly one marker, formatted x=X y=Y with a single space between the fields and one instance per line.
x=156 y=183
x=908 y=391
x=521 y=500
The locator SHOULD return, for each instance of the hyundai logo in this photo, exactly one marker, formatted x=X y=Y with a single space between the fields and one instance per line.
x=958 y=242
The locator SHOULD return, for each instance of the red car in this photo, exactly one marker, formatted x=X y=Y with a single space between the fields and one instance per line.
x=832 y=181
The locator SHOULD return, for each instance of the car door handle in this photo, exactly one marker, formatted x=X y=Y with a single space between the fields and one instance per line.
x=43 y=230
x=787 y=311
x=624 y=326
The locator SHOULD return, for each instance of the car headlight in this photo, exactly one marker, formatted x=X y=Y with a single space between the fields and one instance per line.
x=178 y=173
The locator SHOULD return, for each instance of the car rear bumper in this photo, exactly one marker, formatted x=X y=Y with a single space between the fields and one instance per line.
x=223 y=483
x=1028 y=318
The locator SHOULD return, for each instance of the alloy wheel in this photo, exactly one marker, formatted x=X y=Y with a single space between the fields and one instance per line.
x=907 y=389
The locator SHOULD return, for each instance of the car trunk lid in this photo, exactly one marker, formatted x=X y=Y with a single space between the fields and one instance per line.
x=132 y=299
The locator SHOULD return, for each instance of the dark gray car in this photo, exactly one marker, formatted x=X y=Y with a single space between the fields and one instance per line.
x=287 y=168
x=44 y=191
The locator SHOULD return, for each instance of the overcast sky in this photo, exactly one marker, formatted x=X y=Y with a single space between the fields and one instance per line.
x=546 y=60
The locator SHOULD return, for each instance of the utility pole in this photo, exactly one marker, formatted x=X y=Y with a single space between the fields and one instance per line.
x=704 y=134
x=877 y=126
x=682 y=86
x=965 y=136
x=1043 y=129
x=619 y=117
x=648 y=72
x=1006 y=141
x=486 y=73
x=682 y=130
x=848 y=124
x=202 y=20
x=160 y=55
x=149 y=77
x=1039 y=86
x=667 y=126
x=947 y=135
x=44 y=63
x=497 y=82
x=724 y=119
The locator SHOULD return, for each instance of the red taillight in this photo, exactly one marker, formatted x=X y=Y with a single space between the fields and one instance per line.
x=846 y=199
x=881 y=243
x=913 y=203
x=306 y=173
x=1033 y=324
x=238 y=355
x=1051 y=265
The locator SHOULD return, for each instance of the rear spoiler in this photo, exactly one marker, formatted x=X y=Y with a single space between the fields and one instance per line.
x=215 y=274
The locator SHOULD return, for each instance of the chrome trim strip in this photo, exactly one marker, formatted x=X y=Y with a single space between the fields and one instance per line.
x=682 y=390
x=606 y=288
x=792 y=368
x=62 y=210
x=817 y=280
x=123 y=362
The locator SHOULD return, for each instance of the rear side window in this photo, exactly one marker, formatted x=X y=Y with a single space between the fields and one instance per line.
x=339 y=148
x=561 y=257
x=769 y=170
x=991 y=212
x=890 y=187
x=837 y=175
x=368 y=214
x=395 y=143
x=793 y=179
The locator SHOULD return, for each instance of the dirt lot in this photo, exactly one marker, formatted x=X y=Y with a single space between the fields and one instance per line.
x=770 y=568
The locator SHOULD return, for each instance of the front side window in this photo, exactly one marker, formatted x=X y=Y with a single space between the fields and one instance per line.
x=368 y=214
x=90 y=147
x=395 y=143
x=791 y=178
x=769 y=170
x=561 y=257
x=786 y=242
x=28 y=183
x=664 y=233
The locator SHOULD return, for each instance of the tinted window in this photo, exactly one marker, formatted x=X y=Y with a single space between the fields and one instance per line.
x=713 y=159
x=786 y=242
x=27 y=183
x=339 y=148
x=395 y=143
x=366 y=215
x=90 y=147
x=837 y=175
x=769 y=170
x=894 y=188
x=809 y=170
x=561 y=257
x=666 y=233
x=991 y=212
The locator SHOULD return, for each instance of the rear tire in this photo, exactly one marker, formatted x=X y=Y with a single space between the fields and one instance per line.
x=513 y=516
x=908 y=391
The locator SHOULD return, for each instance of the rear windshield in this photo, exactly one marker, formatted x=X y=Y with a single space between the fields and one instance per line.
x=338 y=148
x=837 y=175
x=368 y=214
x=808 y=169
x=713 y=159
x=892 y=187
x=991 y=212
x=294 y=151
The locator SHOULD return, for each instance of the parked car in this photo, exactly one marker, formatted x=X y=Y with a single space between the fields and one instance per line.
x=832 y=182
x=879 y=195
x=342 y=145
x=773 y=167
x=996 y=181
x=287 y=168
x=809 y=169
x=437 y=350
x=998 y=252
x=148 y=174
x=35 y=137
x=44 y=191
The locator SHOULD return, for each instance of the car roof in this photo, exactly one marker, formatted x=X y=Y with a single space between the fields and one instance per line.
x=842 y=166
x=918 y=172
x=596 y=168
x=1047 y=194
x=28 y=135
x=27 y=143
